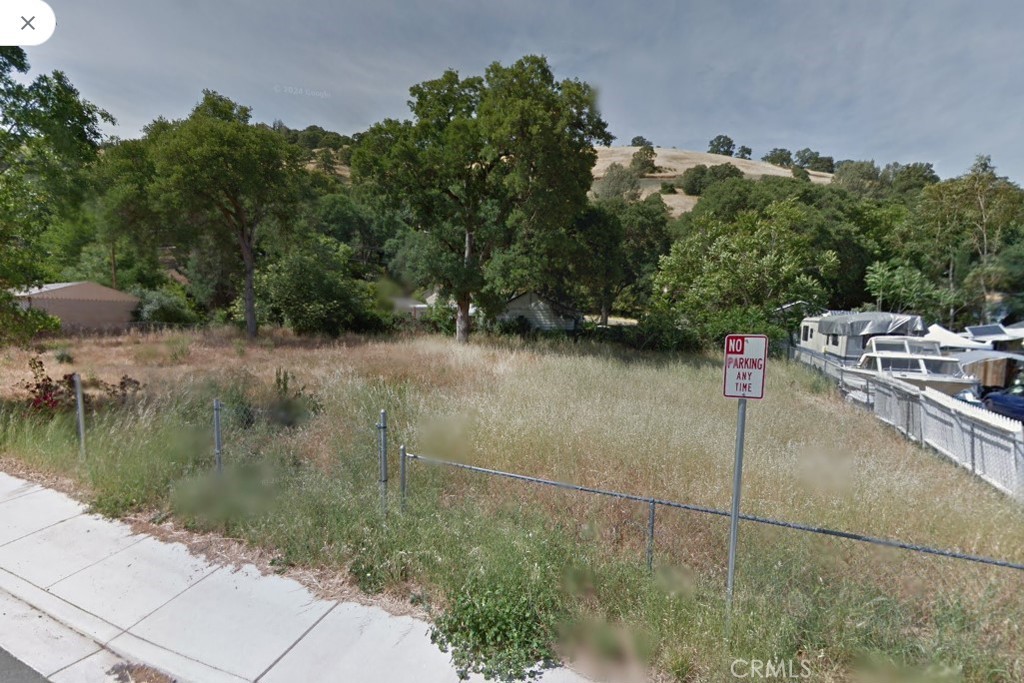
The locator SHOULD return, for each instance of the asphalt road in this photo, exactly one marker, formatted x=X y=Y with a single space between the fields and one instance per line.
x=13 y=671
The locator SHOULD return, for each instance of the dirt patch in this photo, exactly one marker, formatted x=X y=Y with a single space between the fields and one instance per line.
x=51 y=480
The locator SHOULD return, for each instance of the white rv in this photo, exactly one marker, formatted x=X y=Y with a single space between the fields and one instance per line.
x=842 y=337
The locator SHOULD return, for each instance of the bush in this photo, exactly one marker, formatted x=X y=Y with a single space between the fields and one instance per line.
x=668 y=188
x=167 y=305
x=692 y=180
x=501 y=626
x=311 y=289
x=48 y=395
x=440 y=318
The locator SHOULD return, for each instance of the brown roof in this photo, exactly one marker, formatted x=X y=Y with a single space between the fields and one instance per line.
x=76 y=291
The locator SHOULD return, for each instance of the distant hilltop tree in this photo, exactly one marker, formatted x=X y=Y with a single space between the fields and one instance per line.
x=722 y=144
x=642 y=161
x=744 y=152
x=779 y=156
x=640 y=141
x=814 y=161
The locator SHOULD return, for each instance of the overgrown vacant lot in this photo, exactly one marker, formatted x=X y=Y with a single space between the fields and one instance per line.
x=529 y=568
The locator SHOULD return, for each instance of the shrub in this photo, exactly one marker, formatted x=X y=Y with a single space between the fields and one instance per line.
x=312 y=290
x=63 y=355
x=692 y=180
x=668 y=188
x=440 y=318
x=55 y=395
x=47 y=394
x=290 y=406
x=166 y=305
x=501 y=626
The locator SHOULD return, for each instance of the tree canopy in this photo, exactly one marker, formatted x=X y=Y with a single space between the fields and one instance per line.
x=228 y=176
x=722 y=144
x=491 y=169
x=48 y=134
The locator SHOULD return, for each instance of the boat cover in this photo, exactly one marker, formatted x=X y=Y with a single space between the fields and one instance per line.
x=873 y=322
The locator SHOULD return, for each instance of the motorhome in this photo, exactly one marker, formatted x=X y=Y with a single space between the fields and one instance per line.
x=842 y=337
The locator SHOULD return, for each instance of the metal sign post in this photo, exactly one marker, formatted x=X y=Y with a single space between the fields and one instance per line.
x=737 y=484
x=746 y=356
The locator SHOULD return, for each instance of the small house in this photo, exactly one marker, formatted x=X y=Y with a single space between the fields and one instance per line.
x=81 y=305
x=843 y=336
x=541 y=313
x=408 y=306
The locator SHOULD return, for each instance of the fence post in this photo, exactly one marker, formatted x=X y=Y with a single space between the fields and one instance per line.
x=650 y=537
x=80 y=408
x=218 y=445
x=974 y=469
x=382 y=428
x=401 y=473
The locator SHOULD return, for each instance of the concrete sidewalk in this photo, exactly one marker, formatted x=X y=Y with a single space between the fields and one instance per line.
x=147 y=601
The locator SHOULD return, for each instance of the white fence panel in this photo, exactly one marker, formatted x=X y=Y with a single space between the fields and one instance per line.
x=898 y=404
x=989 y=445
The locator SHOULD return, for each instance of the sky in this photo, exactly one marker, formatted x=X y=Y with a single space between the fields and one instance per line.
x=888 y=80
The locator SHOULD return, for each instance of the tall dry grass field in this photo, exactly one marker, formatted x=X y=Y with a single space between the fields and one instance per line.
x=598 y=416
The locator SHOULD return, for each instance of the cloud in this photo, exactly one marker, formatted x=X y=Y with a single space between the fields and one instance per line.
x=888 y=80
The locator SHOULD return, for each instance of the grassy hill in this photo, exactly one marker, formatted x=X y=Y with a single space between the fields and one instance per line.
x=674 y=161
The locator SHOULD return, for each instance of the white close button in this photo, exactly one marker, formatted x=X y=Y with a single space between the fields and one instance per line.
x=26 y=22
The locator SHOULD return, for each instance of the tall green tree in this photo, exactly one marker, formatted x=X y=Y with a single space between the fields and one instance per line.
x=489 y=168
x=48 y=133
x=958 y=231
x=223 y=174
x=598 y=260
x=739 y=272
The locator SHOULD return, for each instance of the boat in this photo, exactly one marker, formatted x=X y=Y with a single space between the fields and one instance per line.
x=916 y=361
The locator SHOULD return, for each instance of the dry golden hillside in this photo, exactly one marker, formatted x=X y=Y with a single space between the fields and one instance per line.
x=673 y=162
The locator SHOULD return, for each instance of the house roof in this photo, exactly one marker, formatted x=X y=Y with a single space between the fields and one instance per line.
x=559 y=308
x=42 y=289
x=75 y=291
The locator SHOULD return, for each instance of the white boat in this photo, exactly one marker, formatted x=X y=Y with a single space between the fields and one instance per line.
x=916 y=361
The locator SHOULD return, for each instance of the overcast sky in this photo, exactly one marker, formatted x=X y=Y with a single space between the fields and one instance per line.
x=887 y=80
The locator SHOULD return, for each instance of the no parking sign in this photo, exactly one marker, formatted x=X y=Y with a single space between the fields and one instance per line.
x=746 y=358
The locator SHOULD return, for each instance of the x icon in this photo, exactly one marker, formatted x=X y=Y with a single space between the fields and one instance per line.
x=28 y=23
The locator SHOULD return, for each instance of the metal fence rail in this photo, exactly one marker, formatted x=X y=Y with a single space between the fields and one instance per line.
x=654 y=502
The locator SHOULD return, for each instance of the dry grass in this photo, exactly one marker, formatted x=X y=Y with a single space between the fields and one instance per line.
x=644 y=424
